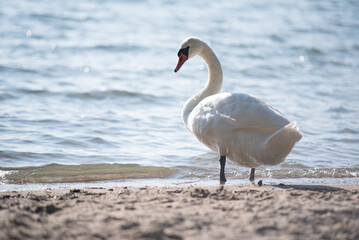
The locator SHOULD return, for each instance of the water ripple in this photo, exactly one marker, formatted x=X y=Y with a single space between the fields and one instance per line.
x=110 y=94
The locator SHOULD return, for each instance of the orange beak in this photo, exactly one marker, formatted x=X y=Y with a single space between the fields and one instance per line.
x=181 y=60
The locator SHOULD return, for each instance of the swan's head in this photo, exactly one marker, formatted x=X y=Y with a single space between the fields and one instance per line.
x=190 y=47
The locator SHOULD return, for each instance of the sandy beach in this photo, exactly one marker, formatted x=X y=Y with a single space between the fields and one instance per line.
x=185 y=212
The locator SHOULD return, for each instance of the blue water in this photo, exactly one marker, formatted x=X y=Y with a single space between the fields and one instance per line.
x=89 y=82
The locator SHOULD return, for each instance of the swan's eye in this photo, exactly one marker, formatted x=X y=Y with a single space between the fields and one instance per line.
x=184 y=51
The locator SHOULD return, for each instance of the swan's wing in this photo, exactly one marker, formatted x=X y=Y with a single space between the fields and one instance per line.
x=249 y=112
x=237 y=111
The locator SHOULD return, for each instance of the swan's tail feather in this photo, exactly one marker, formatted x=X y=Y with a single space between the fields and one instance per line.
x=280 y=143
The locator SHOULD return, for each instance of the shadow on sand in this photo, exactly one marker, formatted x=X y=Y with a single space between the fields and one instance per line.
x=318 y=188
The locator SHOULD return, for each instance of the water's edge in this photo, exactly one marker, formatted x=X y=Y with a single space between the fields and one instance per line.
x=170 y=182
x=92 y=175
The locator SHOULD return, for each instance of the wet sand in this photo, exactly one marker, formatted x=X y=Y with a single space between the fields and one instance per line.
x=189 y=212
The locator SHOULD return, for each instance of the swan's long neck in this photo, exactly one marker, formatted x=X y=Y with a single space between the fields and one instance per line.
x=214 y=84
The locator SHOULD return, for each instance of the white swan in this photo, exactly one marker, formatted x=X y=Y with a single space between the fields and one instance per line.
x=238 y=126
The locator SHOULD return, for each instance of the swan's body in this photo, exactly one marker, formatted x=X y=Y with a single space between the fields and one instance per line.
x=238 y=126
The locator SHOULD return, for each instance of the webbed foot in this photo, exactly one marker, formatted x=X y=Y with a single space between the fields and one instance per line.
x=259 y=184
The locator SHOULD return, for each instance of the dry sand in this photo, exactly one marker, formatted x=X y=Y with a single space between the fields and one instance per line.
x=190 y=212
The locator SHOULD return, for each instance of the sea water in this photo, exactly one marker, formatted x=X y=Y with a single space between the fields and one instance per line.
x=92 y=83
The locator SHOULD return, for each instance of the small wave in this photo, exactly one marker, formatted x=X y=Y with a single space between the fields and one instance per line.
x=119 y=48
x=21 y=92
x=47 y=17
x=348 y=130
x=5 y=96
x=342 y=140
x=48 y=121
x=276 y=38
x=3 y=176
x=55 y=173
x=310 y=173
x=24 y=91
x=37 y=91
x=311 y=30
x=102 y=141
x=294 y=165
x=314 y=51
x=324 y=93
x=110 y=94
x=339 y=110
x=14 y=155
x=16 y=69
x=108 y=48
x=293 y=171
x=99 y=95
x=72 y=143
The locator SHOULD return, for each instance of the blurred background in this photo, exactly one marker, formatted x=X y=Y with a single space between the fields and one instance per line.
x=89 y=82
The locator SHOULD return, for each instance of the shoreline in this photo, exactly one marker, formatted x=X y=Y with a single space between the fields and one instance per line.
x=175 y=182
x=183 y=212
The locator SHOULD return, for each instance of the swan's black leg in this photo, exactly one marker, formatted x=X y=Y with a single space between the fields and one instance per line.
x=251 y=177
x=222 y=161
